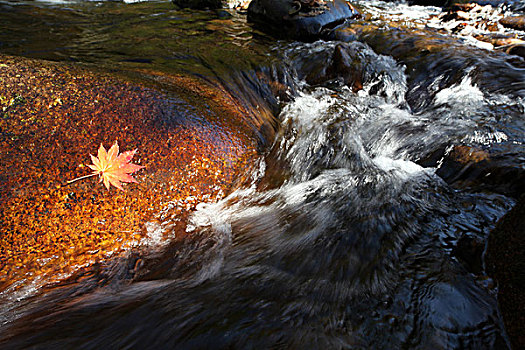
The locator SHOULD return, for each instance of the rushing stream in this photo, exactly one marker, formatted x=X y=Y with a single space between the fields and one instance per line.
x=346 y=234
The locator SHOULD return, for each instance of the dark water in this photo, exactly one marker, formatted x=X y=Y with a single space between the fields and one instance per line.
x=348 y=235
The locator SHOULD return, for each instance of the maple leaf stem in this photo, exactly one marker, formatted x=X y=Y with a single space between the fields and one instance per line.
x=80 y=178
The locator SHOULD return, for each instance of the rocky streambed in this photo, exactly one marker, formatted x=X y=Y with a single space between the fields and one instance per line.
x=316 y=172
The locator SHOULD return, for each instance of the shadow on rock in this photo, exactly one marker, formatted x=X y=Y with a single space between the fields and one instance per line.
x=505 y=261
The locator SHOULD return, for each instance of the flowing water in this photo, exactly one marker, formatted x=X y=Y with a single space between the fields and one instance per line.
x=346 y=234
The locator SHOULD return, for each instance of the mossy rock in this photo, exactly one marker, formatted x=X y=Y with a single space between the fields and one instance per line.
x=195 y=142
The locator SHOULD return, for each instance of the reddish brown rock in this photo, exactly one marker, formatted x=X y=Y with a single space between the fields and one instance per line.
x=194 y=140
x=468 y=155
x=515 y=22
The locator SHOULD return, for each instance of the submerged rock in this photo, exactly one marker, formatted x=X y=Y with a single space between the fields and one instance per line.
x=300 y=19
x=194 y=139
x=505 y=261
x=344 y=63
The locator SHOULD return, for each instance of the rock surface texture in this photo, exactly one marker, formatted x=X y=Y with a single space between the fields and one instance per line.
x=53 y=116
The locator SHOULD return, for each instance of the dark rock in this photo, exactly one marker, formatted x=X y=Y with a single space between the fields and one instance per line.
x=463 y=7
x=462 y=12
x=515 y=22
x=198 y=4
x=469 y=251
x=343 y=64
x=300 y=19
x=468 y=167
x=518 y=50
x=346 y=63
x=505 y=262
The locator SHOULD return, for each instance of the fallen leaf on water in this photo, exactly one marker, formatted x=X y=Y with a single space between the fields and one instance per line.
x=112 y=167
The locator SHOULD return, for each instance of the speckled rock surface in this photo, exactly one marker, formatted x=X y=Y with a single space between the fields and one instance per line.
x=53 y=116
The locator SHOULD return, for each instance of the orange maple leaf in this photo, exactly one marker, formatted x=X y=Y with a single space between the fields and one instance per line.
x=112 y=167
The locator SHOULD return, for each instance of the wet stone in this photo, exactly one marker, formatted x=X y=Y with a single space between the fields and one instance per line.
x=469 y=251
x=345 y=63
x=505 y=261
x=441 y=3
x=515 y=5
x=300 y=19
x=472 y=168
x=518 y=50
x=193 y=141
x=516 y=22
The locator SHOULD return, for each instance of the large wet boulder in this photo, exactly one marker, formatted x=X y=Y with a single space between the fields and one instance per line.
x=194 y=139
x=300 y=19
x=505 y=261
